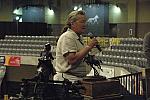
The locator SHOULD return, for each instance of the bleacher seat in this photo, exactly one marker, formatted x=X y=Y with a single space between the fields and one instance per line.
x=128 y=53
x=25 y=45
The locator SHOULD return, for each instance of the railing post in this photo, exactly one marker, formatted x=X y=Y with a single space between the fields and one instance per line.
x=146 y=82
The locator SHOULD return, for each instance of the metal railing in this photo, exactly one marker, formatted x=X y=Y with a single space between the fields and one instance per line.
x=131 y=84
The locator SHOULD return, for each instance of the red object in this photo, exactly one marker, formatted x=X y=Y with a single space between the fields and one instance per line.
x=13 y=61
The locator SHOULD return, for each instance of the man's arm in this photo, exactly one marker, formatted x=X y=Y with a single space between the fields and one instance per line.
x=75 y=57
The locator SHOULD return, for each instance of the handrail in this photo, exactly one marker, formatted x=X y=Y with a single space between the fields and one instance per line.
x=131 y=84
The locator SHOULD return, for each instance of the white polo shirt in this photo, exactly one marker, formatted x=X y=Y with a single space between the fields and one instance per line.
x=69 y=42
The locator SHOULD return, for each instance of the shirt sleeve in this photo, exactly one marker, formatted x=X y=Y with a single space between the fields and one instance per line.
x=68 y=45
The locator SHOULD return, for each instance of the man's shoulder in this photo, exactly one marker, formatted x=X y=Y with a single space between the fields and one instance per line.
x=67 y=35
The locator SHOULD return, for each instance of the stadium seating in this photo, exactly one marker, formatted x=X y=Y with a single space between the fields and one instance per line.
x=25 y=45
x=129 y=52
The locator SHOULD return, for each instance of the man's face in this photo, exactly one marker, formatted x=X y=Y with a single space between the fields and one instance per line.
x=79 y=26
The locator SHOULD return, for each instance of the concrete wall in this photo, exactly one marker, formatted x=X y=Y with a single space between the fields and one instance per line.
x=143 y=14
x=137 y=18
x=65 y=8
x=6 y=10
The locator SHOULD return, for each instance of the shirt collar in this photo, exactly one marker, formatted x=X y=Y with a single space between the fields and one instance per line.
x=75 y=34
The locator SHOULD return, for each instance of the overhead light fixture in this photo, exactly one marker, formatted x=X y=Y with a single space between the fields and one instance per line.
x=50 y=11
x=17 y=11
x=17 y=17
x=117 y=9
x=117 y=5
x=75 y=8
x=80 y=9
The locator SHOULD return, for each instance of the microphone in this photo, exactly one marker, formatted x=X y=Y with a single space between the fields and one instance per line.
x=99 y=48
x=92 y=36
